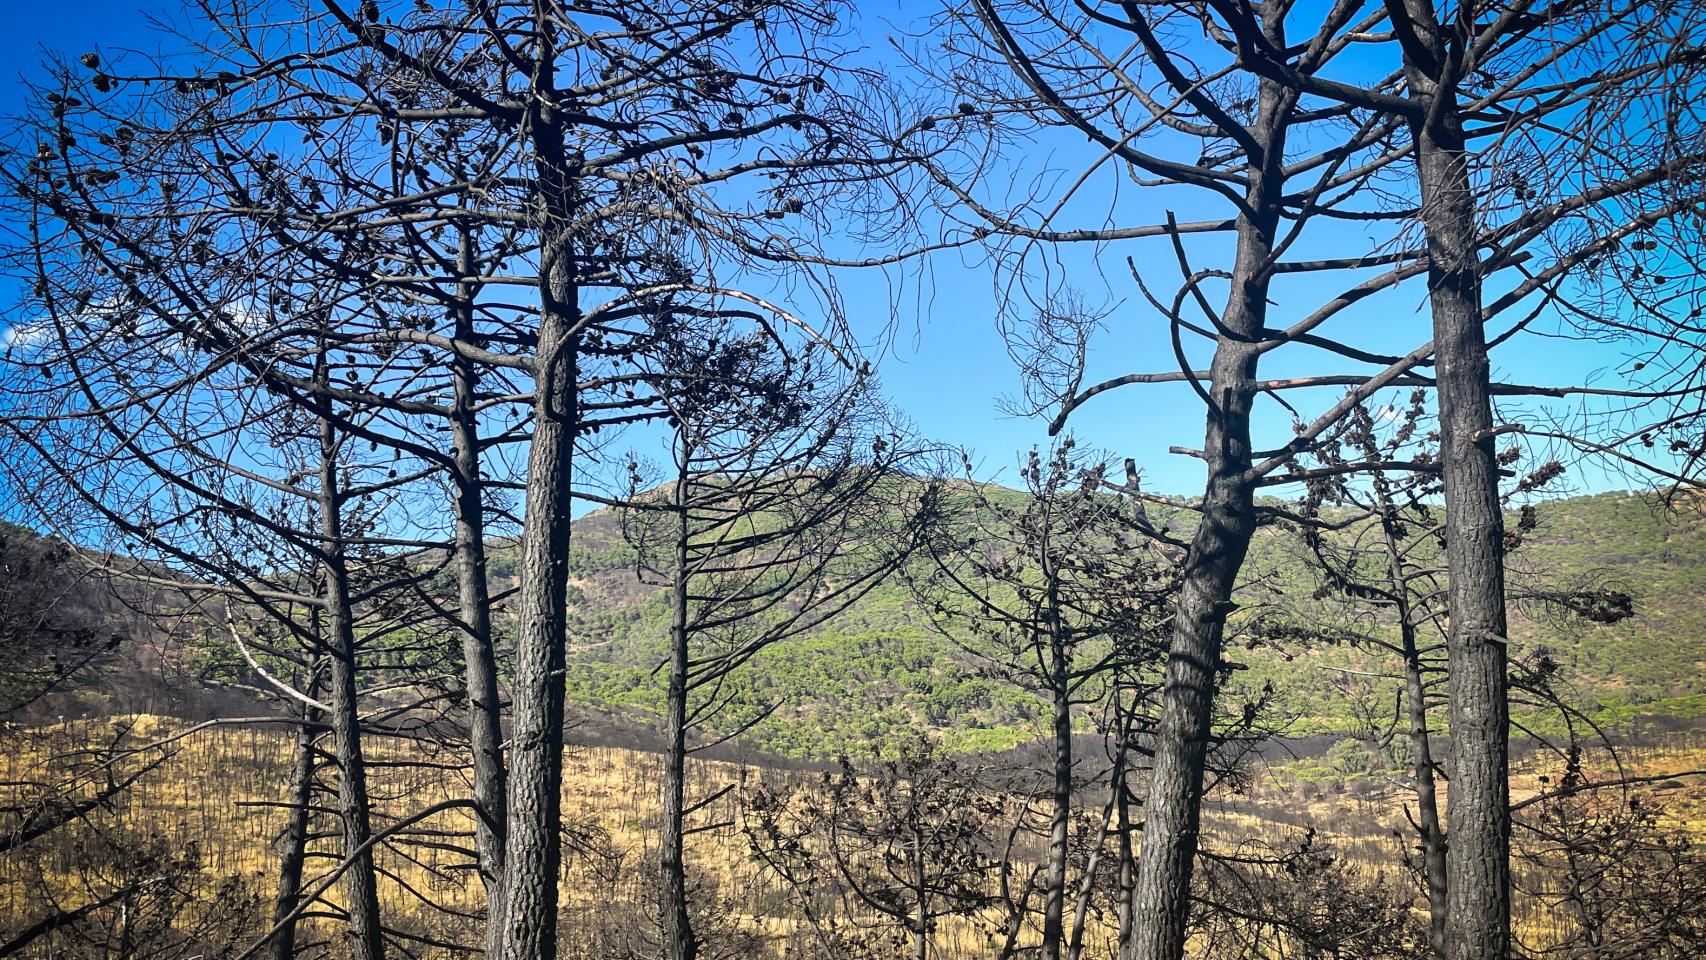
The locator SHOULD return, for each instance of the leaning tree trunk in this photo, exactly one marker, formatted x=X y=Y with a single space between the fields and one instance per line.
x=679 y=941
x=1173 y=809
x=367 y=939
x=1478 y=815
x=485 y=718
x=293 y=843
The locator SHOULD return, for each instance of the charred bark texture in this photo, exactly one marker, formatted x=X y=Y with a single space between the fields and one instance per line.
x=1478 y=816
x=366 y=935
x=293 y=843
x=479 y=660
x=1172 y=812
x=533 y=854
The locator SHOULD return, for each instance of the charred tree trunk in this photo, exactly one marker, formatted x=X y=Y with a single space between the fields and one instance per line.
x=533 y=854
x=920 y=896
x=1060 y=819
x=679 y=941
x=1427 y=793
x=1416 y=713
x=1172 y=812
x=485 y=718
x=294 y=841
x=1128 y=863
x=367 y=939
x=1478 y=817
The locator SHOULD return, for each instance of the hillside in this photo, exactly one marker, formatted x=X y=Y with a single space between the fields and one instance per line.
x=879 y=667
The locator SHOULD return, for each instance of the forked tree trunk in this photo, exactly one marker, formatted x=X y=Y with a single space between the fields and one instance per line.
x=1172 y=812
x=485 y=718
x=366 y=935
x=1478 y=816
x=1087 y=880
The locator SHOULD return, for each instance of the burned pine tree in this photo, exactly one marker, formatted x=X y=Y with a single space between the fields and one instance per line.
x=786 y=497
x=1509 y=114
x=910 y=841
x=1286 y=121
x=467 y=188
x=1376 y=543
x=1161 y=102
x=1051 y=590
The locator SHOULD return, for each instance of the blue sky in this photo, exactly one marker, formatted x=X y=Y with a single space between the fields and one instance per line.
x=948 y=367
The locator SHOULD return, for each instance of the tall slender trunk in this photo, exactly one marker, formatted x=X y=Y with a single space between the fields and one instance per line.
x=1087 y=882
x=485 y=718
x=1478 y=816
x=679 y=941
x=367 y=940
x=1128 y=863
x=1427 y=793
x=533 y=854
x=1172 y=812
x=920 y=891
x=293 y=844
x=1421 y=743
x=1060 y=818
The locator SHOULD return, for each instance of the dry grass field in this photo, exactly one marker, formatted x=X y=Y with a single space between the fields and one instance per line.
x=215 y=797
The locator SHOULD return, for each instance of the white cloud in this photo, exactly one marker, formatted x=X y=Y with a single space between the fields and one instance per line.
x=23 y=337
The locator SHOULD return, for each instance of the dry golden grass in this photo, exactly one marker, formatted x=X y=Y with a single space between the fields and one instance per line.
x=219 y=789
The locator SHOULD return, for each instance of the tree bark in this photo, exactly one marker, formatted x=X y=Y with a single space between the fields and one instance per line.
x=485 y=718
x=294 y=842
x=532 y=857
x=1421 y=743
x=1060 y=820
x=1478 y=815
x=1478 y=867
x=1427 y=792
x=367 y=939
x=680 y=943
x=1172 y=812
x=533 y=854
